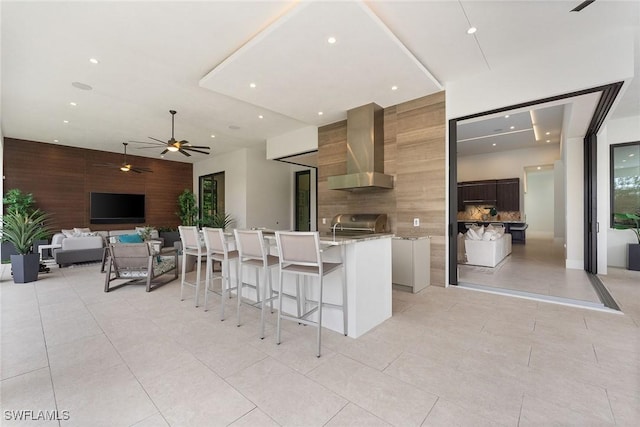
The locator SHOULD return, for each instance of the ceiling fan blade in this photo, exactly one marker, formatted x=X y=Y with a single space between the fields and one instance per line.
x=150 y=143
x=196 y=151
x=155 y=147
x=107 y=165
x=204 y=147
x=582 y=5
x=141 y=169
x=159 y=140
x=184 y=152
x=165 y=151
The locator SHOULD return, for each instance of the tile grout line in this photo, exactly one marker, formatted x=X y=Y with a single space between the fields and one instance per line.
x=613 y=416
x=46 y=349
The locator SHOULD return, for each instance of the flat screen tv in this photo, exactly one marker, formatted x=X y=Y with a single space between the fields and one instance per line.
x=114 y=208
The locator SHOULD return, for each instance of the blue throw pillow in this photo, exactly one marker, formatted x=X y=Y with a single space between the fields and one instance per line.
x=130 y=238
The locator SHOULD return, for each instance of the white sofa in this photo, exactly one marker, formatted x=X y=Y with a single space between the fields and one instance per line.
x=84 y=245
x=487 y=248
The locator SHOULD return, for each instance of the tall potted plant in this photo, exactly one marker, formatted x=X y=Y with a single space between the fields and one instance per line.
x=630 y=221
x=22 y=230
x=188 y=208
x=14 y=200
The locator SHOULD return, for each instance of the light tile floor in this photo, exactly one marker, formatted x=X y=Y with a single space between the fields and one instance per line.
x=446 y=357
x=536 y=267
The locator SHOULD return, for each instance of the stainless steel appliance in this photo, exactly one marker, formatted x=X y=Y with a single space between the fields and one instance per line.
x=357 y=224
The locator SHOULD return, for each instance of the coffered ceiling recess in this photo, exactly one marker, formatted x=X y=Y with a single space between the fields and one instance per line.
x=322 y=57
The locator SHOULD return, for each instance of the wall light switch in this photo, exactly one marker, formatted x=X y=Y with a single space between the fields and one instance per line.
x=416 y=222
x=324 y=220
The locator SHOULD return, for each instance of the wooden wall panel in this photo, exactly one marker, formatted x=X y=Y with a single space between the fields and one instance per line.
x=414 y=150
x=61 y=179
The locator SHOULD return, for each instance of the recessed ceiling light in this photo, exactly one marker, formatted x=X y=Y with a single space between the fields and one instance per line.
x=261 y=116
x=539 y=168
x=93 y=60
x=213 y=136
x=548 y=133
x=252 y=85
x=624 y=160
x=512 y=127
x=494 y=144
x=73 y=104
x=55 y=140
x=65 y=121
x=320 y=113
x=331 y=40
x=506 y=117
x=394 y=87
x=548 y=140
x=82 y=86
x=471 y=30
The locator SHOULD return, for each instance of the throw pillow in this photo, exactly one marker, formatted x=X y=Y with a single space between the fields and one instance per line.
x=79 y=231
x=130 y=238
x=68 y=233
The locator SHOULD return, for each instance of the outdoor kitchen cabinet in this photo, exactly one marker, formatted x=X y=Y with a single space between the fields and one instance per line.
x=410 y=265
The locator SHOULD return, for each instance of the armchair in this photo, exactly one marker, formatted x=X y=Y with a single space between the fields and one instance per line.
x=140 y=263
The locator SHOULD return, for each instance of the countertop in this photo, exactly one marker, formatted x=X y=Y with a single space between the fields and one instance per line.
x=494 y=221
x=328 y=239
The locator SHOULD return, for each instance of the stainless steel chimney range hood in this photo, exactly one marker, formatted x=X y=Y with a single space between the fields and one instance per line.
x=365 y=152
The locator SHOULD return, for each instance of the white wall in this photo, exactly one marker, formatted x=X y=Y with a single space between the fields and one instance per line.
x=574 y=173
x=615 y=132
x=539 y=203
x=268 y=192
x=298 y=141
x=559 y=200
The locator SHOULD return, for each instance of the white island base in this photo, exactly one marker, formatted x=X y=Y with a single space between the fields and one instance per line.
x=367 y=263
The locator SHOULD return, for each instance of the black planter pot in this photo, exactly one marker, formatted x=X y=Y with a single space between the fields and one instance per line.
x=25 y=267
x=7 y=250
x=170 y=237
x=633 y=256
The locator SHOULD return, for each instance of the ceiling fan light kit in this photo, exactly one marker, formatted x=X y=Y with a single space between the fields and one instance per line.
x=174 y=145
x=125 y=166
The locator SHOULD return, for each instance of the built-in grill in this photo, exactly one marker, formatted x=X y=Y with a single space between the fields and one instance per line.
x=356 y=224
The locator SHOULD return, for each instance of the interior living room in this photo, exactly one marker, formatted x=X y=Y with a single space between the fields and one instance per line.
x=127 y=120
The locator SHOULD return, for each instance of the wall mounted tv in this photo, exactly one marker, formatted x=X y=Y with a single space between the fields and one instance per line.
x=114 y=208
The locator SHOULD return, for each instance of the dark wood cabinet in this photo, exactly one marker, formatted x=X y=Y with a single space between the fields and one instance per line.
x=478 y=192
x=508 y=194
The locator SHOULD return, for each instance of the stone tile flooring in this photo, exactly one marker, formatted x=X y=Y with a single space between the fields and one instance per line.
x=446 y=357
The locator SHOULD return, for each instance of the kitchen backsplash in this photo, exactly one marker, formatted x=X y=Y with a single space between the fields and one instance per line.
x=482 y=213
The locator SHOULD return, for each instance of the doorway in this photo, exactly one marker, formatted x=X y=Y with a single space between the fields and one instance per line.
x=211 y=195
x=303 y=200
x=604 y=97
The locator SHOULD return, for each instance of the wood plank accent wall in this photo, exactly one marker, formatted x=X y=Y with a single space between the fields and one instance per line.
x=414 y=151
x=61 y=178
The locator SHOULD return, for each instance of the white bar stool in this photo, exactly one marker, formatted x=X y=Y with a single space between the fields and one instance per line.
x=253 y=253
x=218 y=250
x=190 y=246
x=300 y=255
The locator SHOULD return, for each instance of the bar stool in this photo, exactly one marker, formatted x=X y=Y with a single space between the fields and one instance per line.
x=190 y=246
x=300 y=256
x=253 y=253
x=218 y=250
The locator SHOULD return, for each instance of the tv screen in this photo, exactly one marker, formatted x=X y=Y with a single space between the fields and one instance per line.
x=113 y=208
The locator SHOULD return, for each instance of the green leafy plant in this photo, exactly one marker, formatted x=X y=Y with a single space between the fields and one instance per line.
x=218 y=220
x=23 y=229
x=188 y=208
x=145 y=233
x=628 y=221
x=17 y=201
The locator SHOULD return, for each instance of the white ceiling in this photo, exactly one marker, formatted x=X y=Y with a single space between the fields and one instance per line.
x=200 y=57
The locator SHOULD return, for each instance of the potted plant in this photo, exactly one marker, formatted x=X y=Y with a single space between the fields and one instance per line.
x=15 y=200
x=22 y=230
x=217 y=220
x=630 y=221
x=188 y=208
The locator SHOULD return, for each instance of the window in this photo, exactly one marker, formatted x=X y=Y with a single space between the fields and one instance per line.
x=625 y=179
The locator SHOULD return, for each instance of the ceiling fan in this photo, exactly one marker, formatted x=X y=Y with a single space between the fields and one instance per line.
x=124 y=166
x=173 y=145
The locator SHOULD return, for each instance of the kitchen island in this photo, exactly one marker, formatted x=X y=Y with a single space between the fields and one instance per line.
x=367 y=269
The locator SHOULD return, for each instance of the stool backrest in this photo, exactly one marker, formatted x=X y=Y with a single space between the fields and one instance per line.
x=215 y=240
x=250 y=244
x=189 y=236
x=299 y=247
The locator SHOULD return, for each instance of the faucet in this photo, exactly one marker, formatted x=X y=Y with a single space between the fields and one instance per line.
x=333 y=227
